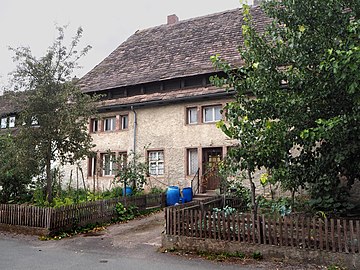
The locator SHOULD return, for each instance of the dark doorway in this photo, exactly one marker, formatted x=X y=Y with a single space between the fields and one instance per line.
x=210 y=168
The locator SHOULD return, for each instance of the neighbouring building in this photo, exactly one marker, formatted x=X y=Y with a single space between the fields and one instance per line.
x=157 y=100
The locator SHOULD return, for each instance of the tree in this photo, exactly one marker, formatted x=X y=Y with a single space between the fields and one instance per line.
x=16 y=169
x=55 y=112
x=303 y=122
x=131 y=171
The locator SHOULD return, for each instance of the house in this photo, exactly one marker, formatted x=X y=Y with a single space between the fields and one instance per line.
x=9 y=110
x=157 y=100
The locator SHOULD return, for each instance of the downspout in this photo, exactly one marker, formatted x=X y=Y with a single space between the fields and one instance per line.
x=135 y=126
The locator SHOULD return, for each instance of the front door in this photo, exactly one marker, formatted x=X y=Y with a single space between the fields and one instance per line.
x=211 y=159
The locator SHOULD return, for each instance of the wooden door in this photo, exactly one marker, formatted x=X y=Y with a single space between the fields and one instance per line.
x=211 y=159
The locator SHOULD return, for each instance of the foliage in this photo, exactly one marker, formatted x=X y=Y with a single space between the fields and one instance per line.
x=55 y=111
x=281 y=207
x=227 y=210
x=16 y=170
x=131 y=171
x=297 y=98
x=126 y=213
x=156 y=190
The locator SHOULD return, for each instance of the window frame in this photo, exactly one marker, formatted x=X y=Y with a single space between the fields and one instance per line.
x=112 y=120
x=94 y=125
x=156 y=162
x=189 y=171
x=124 y=121
x=188 y=115
x=4 y=123
x=213 y=113
x=112 y=163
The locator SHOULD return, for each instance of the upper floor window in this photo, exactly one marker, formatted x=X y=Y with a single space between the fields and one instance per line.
x=109 y=123
x=124 y=121
x=94 y=125
x=7 y=122
x=192 y=115
x=211 y=114
x=11 y=121
x=156 y=162
x=4 y=121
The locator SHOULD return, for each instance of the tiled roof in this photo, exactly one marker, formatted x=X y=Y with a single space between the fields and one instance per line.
x=162 y=97
x=9 y=103
x=172 y=51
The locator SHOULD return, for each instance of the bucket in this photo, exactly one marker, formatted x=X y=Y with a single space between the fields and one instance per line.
x=187 y=194
x=128 y=191
x=172 y=195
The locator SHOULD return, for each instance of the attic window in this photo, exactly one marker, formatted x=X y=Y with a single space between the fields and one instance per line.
x=4 y=122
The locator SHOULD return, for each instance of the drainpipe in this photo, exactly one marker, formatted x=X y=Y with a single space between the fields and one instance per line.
x=135 y=126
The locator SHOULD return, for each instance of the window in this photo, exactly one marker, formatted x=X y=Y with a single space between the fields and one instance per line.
x=192 y=115
x=109 y=123
x=92 y=166
x=11 y=121
x=34 y=121
x=192 y=160
x=156 y=162
x=211 y=114
x=108 y=164
x=4 y=122
x=94 y=125
x=121 y=160
x=124 y=121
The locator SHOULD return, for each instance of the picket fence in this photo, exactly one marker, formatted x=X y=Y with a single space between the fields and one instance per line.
x=64 y=217
x=300 y=231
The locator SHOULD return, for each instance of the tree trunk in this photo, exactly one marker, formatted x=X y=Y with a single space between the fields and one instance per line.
x=253 y=196
x=48 y=178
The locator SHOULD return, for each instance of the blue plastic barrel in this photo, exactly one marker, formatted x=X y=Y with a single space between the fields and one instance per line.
x=187 y=194
x=128 y=191
x=172 y=195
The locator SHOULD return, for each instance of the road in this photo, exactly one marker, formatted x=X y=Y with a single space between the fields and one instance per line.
x=127 y=246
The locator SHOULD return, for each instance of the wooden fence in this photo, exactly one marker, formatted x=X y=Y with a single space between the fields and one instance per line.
x=64 y=217
x=337 y=235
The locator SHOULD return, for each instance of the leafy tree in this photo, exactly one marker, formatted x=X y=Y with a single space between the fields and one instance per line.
x=131 y=171
x=55 y=112
x=303 y=124
x=16 y=169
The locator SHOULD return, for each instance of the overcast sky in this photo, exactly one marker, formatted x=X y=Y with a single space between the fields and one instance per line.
x=106 y=23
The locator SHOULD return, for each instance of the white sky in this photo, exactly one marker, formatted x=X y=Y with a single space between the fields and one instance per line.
x=106 y=24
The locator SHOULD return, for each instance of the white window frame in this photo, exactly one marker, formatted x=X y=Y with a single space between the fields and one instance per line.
x=156 y=162
x=93 y=165
x=12 y=120
x=192 y=112
x=4 y=122
x=112 y=163
x=112 y=125
x=212 y=110
x=124 y=121
x=191 y=170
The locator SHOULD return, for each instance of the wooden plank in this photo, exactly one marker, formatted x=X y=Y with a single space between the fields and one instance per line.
x=332 y=229
x=281 y=232
x=303 y=232
x=253 y=228
x=286 y=231
x=276 y=242
x=339 y=237
x=238 y=227
x=248 y=228
x=243 y=227
x=229 y=223
x=269 y=224
x=192 y=223
x=263 y=230
x=321 y=243
x=327 y=235
x=352 y=241
x=346 y=244
x=314 y=236
x=258 y=227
